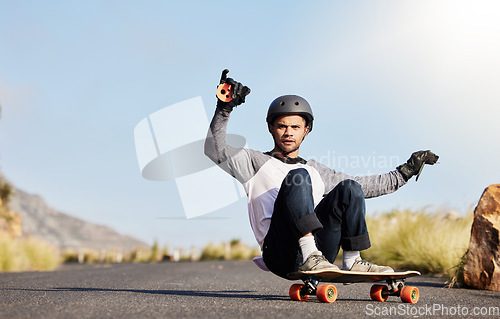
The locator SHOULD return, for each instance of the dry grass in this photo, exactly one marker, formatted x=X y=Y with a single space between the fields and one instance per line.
x=27 y=254
x=233 y=250
x=21 y=253
x=428 y=242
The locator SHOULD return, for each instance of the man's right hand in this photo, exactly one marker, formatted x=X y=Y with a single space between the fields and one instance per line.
x=238 y=93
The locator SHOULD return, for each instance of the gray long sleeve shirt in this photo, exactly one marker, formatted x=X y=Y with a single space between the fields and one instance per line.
x=262 y=175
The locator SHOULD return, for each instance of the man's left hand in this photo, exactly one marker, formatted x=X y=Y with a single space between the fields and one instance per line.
x=416 y=163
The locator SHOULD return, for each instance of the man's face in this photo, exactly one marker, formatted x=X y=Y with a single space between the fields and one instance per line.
x=288 y=132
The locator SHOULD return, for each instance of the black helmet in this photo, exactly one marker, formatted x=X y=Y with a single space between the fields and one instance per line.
x=292 y=105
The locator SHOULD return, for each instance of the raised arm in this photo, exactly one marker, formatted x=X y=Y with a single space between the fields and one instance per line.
x=216 y=147
x=229 y=95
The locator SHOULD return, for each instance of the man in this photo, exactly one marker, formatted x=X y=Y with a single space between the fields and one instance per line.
x=301 y=212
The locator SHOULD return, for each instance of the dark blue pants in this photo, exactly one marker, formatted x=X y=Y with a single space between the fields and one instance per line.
x=337 y=221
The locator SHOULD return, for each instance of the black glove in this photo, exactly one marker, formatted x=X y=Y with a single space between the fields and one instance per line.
x=238 y=93
x=416 y=163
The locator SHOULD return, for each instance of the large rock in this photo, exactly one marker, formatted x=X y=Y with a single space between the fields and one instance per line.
x=482 y=265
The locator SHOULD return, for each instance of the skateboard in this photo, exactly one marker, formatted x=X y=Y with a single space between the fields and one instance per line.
x=328 y=293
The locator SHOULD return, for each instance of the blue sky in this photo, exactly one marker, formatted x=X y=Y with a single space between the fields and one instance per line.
x=384 y=78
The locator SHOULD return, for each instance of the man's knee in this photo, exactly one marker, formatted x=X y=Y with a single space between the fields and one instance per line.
x=298 y=177
x=353 y=188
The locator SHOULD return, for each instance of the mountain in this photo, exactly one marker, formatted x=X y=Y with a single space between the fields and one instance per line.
x=65 y=231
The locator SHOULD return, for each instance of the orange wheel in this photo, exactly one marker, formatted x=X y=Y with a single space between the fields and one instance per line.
x=295 y=293
x=224 y=92
x=409 y=294
x=379 y=293
x=326 y=293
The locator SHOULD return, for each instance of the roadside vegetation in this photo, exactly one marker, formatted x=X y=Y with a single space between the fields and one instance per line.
x=232 y=250
x=27 y=254
x=433 y=243
x=21 y=253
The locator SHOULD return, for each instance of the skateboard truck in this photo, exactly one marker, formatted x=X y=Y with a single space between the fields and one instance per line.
x=396 y=285
x=311 y=286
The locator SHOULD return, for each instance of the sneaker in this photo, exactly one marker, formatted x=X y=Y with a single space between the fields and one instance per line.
x=361 y=265
x=316 y=261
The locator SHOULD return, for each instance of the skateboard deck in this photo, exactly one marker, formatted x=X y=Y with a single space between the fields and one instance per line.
x=328 y=293
x=344 y=276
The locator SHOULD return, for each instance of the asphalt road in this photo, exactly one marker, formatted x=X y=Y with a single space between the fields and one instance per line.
x=225 y=289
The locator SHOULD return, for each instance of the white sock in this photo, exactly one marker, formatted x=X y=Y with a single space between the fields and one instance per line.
x=308 y=246
x=349 y=258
